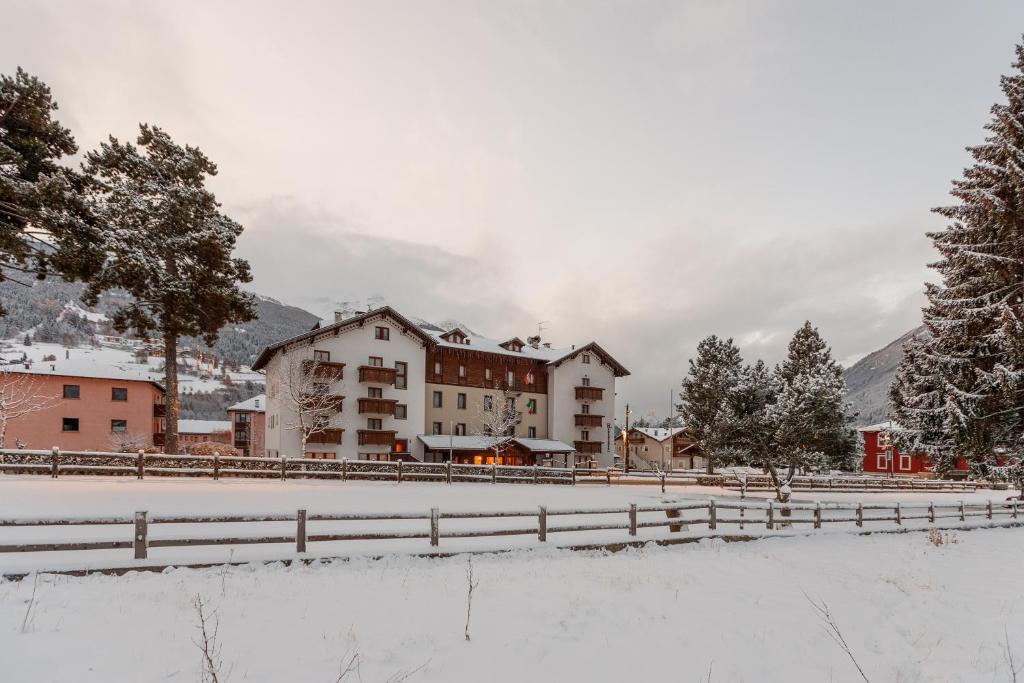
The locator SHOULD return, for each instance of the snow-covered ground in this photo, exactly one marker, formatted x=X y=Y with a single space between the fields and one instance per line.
x=35 y=497
x=712 y=611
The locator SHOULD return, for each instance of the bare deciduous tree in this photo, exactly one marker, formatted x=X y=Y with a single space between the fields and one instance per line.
x=207 y=642
x=128 y=442
x=497 y=420
x=21 y=394
x=305 y=386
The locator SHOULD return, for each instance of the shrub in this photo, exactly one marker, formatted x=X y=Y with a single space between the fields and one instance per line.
x=213 y=448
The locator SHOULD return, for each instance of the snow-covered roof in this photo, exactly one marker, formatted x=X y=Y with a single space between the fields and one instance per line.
x=94 y=366
x=886 y=426
x=658 y=433
x=440 y=442
x=255 y=404
x=203 y=426
x=475 y=342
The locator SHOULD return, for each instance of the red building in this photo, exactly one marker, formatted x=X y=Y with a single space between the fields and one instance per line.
x=882 y=457
x=248 y=421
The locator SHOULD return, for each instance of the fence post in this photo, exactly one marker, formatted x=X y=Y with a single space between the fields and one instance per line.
x=988 y=510
x=448 y=471
x=399 y=472
x=542 y=524
x=434 y=526
x=494 y=473
x=534 y=474
x=54 y=462
x=300 y=531
x=139 y=543
x=771 y=514
x=216 y=467
x=712 y=515
x=860 y=514
x=931 y=512
x=1013 y=508
x=140 y=463
x=344 y=469
x=632 y=519
x=663 y=482
x=283 y=468
x=817 y=514
x=608 y=476
x=672 y=514
x=573 y=474
x=963 y=513
x=899 y=513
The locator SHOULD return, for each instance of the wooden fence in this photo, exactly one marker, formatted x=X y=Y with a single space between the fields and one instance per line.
x=56 y=462
x=540 y=522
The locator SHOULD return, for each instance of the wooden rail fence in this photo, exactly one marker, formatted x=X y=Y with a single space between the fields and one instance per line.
x=541 y=522
x=56 y=462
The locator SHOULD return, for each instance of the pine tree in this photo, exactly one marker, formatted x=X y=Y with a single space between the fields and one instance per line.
x=38 y=197
x=713 y=375
x=815 y=428
x=167 y=244
x=976 y=315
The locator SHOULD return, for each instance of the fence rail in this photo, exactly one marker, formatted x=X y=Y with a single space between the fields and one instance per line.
x=677 y=517
x=56 y=462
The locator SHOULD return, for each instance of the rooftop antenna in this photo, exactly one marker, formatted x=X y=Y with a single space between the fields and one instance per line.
x=541 y=326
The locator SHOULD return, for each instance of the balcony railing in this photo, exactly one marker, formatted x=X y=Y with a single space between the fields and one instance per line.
x=587 y=446
x=327 y=436
x=324 y=369
x=159 y=410
x=331 y=402
x=589 y=393
x=373 y=374
x=377 y=406
x=377 y=437
x=588 y=420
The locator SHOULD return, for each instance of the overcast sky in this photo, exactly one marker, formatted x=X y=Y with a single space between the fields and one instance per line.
x=642 y=174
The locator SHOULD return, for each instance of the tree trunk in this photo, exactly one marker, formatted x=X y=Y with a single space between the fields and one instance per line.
x=710 y=463
x=171 y=385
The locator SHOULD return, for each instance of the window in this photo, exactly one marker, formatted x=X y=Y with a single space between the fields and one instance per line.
x=322 y=356
x=510 y=378
x=382 y=333
x=374 y=423
x=531 y=406
x=401 y=411
x=904 y=462
x=488 y=402
x=119 y=394
x=401 y=375
x=586 y=359
x=487 y=374
x=438 y=399
x=531 y=432
x=460 y=429
x=70 y=424
x=585 y=408
x=72 y=391
x=376 y=362
x=585 y=435
x=437 y=367
x=460 y=401
x=435 y=428
x=119 y=426
x=462 y=372
x=586 y=381
x=374 y=392
x=883 y=462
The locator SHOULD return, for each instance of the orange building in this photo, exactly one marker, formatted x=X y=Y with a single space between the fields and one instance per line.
x=81 y=413
x=248 y=425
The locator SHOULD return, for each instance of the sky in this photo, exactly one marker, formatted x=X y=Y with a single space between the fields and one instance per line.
x=640 y=173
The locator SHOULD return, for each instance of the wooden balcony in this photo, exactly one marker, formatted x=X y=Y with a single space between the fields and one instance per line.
x=377 y=406
x=159 y=410
x=324 y=369
x=372 y=374
x=330 y=437
x=587 y=446
x=589 y=393
x=377 y=437
x=588 y=420
x=333 y=402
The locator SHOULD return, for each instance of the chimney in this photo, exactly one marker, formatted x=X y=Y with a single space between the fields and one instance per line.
x=546 y=345
x=338 y=316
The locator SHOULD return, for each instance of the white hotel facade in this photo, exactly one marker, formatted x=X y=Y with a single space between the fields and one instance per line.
x=404 y=392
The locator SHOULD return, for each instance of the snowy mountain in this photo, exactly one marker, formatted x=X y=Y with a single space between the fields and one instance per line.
x=868 y=380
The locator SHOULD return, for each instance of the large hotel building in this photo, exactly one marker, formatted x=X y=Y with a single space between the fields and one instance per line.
x=403 y=392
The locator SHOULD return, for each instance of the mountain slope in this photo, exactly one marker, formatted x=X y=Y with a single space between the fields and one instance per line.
x=868 y=380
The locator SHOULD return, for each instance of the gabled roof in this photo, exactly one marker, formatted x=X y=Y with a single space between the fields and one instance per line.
x=342 y=325
x=513 y=344
x=658 y=433
x=93 y=371
x=880 y=427
x=256 y=404
x=595 y=348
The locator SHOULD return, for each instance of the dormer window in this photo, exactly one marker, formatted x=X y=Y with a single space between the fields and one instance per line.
x=455 y=336
x=515 y=344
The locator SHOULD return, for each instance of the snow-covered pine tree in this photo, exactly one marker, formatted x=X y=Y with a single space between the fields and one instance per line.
x=814 y=424
x=975 y=314
x=917 y=406
x=168 y=245
x=713 y=375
